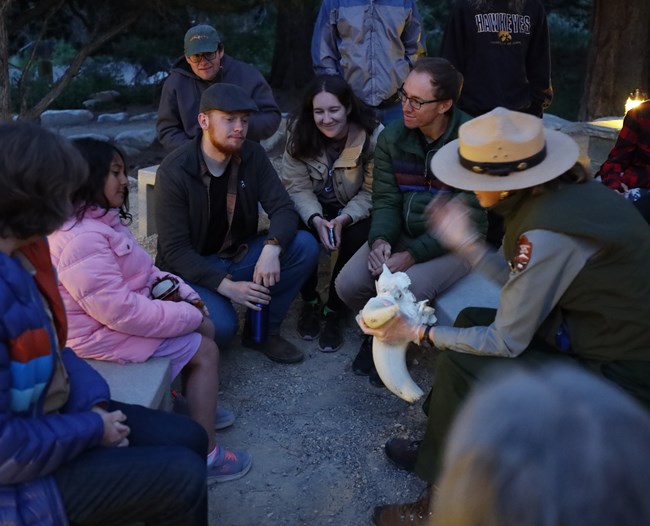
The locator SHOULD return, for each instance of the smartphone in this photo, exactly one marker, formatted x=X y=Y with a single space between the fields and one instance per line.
x=331 y=236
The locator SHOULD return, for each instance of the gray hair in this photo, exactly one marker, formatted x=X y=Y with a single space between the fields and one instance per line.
x=549 y=448
x=39 y=171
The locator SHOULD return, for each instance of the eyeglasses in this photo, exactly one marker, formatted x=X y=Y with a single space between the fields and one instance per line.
x=416 y=104
x=197 y=57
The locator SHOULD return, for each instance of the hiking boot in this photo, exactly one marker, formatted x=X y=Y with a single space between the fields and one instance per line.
x=412 y=514
x=330 y=337
x=229 y=465
x=402 y=452
x=309 y=320
x=276 y=348
x=363 y=364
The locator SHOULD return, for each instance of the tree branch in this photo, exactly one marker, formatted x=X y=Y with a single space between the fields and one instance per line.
x=88 y=49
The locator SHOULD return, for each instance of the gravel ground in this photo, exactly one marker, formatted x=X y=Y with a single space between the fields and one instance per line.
x=316 y=432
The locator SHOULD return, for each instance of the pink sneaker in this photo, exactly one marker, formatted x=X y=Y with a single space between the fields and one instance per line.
x=229 y=465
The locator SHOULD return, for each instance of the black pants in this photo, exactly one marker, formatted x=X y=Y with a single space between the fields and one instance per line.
x=352 y=237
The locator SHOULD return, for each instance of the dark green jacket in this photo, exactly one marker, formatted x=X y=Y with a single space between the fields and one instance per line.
x=607 y=306
x=403 y=186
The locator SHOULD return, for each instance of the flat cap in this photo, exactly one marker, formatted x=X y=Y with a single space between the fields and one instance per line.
x=201 y=39
x=226 y=97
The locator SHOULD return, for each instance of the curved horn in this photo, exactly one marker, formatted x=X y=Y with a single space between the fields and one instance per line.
x=390 y=360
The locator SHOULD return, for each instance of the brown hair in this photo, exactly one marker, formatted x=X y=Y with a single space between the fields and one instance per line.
x=446 y=80
x=39 y=171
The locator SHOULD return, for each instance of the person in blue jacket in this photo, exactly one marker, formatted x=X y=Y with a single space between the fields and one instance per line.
x=68 y=453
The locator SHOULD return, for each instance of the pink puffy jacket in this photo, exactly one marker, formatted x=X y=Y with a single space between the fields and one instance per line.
x=105 y=280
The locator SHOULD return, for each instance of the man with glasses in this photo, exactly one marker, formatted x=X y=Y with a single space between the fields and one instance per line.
x=403 y=187
x=204 y=64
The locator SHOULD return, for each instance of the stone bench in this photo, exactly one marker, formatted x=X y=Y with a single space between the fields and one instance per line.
x=146 y=182
x=602 y=135
x=474 y=290
x=147 y=383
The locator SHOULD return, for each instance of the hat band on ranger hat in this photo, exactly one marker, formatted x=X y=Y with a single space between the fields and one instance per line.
x=502 y=169
x=504 y=150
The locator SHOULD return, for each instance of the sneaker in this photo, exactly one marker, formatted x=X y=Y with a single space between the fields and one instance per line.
x=225 y=418
x=331 y=339
x=363 y=364
x=229 y=465
x=402 y=452
x=276 y=348
x=416 y=513
x=309 y=320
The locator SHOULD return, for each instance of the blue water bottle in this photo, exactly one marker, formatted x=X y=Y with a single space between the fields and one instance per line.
x=258 y=323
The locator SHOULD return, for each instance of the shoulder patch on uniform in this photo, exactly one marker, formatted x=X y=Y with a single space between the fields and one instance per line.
x=524 y=250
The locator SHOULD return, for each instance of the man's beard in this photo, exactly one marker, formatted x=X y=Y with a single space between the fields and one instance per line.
x=226 y=149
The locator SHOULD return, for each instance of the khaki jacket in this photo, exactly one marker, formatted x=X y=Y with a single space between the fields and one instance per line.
x=352 y=177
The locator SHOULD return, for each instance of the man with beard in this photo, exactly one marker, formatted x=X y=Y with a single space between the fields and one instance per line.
x=204 y=63
x=207 y=197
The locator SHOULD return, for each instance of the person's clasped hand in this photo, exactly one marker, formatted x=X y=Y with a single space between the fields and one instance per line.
x=449 y=221
x=399 y=329
x=115 y=430
x=379 y=254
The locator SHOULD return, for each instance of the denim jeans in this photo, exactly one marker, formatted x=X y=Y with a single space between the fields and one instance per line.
x=296 y=265
x=160 y=478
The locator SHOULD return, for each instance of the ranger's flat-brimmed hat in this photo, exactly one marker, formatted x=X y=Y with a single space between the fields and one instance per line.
x=504 y=150
x=201 y=39
x=226 y=97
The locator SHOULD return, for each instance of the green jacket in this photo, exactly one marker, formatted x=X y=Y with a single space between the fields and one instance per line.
x=606 y=308
x=403 y=186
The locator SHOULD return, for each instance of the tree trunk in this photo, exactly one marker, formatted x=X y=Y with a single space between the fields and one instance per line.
x=5 y=84
x=619 y=56
x=291 y=67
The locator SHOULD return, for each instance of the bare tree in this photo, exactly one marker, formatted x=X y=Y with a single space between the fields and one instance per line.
x=95 y=42
x=619 y=56
x=101 y=23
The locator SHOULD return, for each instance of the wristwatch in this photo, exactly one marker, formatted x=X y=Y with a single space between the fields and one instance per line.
x=425 y=336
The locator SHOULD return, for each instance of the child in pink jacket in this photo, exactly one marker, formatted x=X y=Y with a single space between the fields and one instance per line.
x=110 y=287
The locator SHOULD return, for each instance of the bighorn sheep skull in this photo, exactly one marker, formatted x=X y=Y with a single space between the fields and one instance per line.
x=393 y=297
